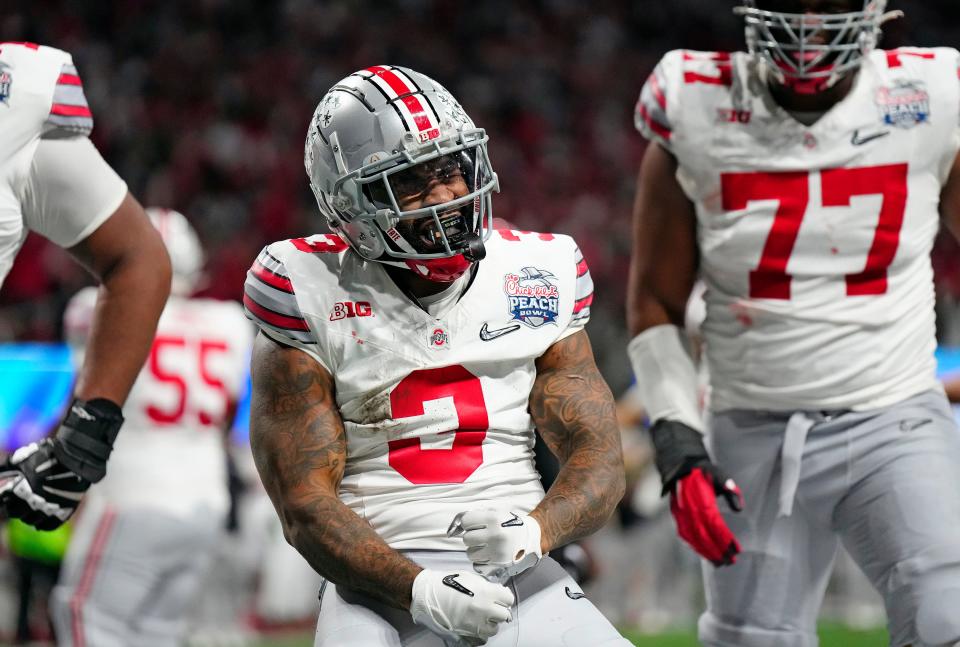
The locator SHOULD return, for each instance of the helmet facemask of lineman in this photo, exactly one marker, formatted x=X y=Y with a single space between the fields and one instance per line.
x=811 y=52
x=379 y=143
x=183 y=246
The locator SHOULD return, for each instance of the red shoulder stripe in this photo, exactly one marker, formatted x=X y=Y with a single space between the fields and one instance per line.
x=271 y=278
x=655 y=126
x=68 y=79
x=582 y=268
x=274 y=318
x=657 y=91
x=64 y=110
x=580 y=304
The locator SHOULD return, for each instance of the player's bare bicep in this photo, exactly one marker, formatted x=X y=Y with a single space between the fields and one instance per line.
x=296 y=432
x=570 y=402
x=664 y=261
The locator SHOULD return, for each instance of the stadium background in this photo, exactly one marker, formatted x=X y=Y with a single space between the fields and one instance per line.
x=202 y=106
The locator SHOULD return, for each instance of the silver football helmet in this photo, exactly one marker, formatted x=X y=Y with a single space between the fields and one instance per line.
x=383 y=134
x=812 y=51
x=183 y=245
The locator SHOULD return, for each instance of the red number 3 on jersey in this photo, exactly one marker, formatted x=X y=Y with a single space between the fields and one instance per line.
x=431 y=466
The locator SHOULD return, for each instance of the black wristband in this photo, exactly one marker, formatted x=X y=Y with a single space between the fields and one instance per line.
x=679 y=449
x=85 y=438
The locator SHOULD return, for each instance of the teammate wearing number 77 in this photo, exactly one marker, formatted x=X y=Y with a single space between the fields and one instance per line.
x=402 y=366
x=804 y=181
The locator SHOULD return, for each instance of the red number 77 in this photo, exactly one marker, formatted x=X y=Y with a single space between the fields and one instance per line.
x=770 y=280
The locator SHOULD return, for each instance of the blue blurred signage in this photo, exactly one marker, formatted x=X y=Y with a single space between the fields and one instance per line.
x=35 y=385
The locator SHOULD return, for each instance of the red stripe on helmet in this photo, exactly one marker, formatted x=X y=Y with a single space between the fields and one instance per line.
x=406 y=94
x=390 y=78
x=420 y=117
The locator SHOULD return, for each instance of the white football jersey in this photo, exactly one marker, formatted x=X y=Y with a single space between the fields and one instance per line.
x=814 y=240
x=170 y=451
x=435 y=408
x=41 y=98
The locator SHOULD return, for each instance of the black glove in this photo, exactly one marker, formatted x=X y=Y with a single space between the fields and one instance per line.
x=694 y=483
x=45 y=493
x=85 y=438
x=57 y=471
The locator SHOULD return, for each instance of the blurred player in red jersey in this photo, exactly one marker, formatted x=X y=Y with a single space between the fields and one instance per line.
x=402 y=366
x=54 y=182
x=804 y=181
x=145 y=537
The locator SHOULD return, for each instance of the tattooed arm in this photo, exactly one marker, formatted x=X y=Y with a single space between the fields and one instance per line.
x=573 y=410
x=300 y=449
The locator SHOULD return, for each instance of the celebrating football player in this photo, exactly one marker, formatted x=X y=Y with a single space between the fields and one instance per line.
x=55 y=183
x=402 y=367
x=158 y=525
x=804 y=181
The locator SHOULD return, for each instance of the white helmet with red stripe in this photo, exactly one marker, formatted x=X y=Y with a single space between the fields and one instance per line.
x=811 y=52
x=183 y=245
x=382 y=132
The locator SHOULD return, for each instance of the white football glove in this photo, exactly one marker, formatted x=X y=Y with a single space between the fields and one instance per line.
x=500 y=542
x=460 y=606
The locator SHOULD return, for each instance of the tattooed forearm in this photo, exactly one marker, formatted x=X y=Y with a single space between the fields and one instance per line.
x=300 y=449
x=573 y=410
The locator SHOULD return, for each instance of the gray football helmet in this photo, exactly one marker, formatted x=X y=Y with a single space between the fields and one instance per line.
x=376 y=135
x=183 y=245
x=811 y=52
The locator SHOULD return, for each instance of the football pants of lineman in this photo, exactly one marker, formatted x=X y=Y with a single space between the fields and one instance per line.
x=131 y=576
x=885 y=482
x=550 y=611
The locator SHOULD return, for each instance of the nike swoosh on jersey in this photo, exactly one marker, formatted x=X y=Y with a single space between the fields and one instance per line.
x=451 y=581
x=573 y=595
x=511 y=523
x=488 y=335
x=858 y=140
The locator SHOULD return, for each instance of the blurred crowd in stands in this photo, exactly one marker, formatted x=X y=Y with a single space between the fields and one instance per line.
x=202 y=106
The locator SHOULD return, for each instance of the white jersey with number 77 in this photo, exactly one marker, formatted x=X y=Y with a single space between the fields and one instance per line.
x=815 y=240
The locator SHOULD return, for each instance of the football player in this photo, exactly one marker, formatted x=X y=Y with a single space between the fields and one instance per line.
x=54 y=182
x=804 y=180
x=145 y=537
x=403 y=364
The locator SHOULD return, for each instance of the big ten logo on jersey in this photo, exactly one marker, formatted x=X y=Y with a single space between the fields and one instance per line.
x=187 y=382
x=350 y=309
x=733 y=116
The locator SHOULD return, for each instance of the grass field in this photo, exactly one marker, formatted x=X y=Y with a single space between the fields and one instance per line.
x=830 y=636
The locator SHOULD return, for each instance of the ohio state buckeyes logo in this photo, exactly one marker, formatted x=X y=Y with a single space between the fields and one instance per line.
x=438 y=338
x=532 y=297
x=5 y=82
